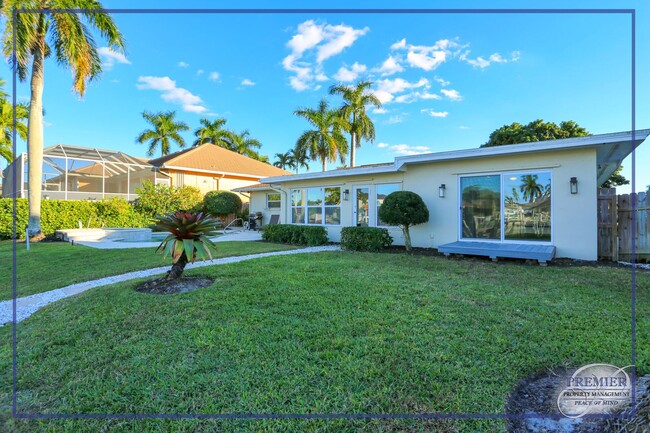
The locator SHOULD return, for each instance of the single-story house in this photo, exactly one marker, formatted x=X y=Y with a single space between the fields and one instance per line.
x=531 y=200
x=82 y=173
x=209 y=168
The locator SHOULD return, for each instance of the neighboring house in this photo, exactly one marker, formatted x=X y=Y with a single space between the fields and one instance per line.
x=525 y=199
x=209 y=168
x=83 y=173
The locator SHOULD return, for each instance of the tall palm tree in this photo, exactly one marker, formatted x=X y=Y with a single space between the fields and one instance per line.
x=284 y=161
x=326 y=141
x=300 y=159
x=213 y=132
x=530 y=188
x=7 y=124
x=355 y=100
x=71 y=37
x=244 y=144
x=165 y=130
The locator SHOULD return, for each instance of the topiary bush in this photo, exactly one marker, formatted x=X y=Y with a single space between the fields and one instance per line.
x=404 y=209
x=157 y=199
x=66 y=214
x=295 y=234
x=222 y=203
x=371 y=239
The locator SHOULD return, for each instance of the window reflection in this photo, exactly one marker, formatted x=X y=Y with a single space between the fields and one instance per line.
x=527 y=206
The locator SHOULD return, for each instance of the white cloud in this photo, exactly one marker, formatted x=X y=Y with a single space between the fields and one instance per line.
x=182 y=64
x=247 y=82
x=442 y=82
x=399 y=118
x=382 y=145
x=388 y=90
x=379 y=111
x=214 y=76
x=454 y=95
x=318 y=42
x=428 y=57
x=171 y=93
x=390 y=66
x=432 y=113
x=110 y=57
x=200 y=72
x=414 y=96
x=481 y=62
x=349 y=74
x=463 y=127
x=405 y=149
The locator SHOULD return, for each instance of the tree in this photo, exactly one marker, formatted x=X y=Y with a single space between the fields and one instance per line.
x=284 y=161
x=356 y=99
x=222 y=203
x=538 y=130
x=215 y=133
x=326 y=141
x=70 y=36
x=7 y=124
x=300 y=159
x=165 y=130
x=404 y=209
x=244 y=144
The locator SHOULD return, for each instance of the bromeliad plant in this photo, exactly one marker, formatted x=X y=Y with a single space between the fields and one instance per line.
x=188 y=238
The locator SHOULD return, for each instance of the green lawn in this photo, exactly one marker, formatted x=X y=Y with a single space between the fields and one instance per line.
x=52 y=265
x=320 y=333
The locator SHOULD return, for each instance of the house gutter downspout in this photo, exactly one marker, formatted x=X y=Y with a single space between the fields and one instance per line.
x=286 y=200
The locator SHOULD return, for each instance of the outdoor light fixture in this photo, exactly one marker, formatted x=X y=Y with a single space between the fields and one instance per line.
x=346 y=194
x=441 y=191
x=574 y=185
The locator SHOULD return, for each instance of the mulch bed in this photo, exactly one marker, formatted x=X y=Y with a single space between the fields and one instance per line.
x=163 y=286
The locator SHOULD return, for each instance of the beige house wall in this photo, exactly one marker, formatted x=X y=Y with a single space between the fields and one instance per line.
x=574 y=216
x=210 y=182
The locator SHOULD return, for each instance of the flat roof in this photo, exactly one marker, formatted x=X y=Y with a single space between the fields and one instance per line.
x=612 y=149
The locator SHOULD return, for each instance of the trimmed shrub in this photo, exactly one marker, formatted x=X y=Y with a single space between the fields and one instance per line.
x=371 y=239
x=62 y=214
x=295 y=234
x=222 y=203
x=405 y=209
x=156 y=199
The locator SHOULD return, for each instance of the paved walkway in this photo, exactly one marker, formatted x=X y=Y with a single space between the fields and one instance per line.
x=28 y=305
x=241 y=236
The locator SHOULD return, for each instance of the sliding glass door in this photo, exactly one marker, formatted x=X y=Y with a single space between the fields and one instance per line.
x=506 y=207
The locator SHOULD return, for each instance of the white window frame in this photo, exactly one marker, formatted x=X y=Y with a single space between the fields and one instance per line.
x=502 y=175
x=305 y=206
x=278 y=201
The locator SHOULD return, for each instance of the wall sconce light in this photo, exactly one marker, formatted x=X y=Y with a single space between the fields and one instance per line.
x=346 y=194
x=46 y=197
x=441 y=190
x=574 y=185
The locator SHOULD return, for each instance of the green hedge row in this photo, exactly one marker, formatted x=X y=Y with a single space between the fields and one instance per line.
x=365 y=239
x=295 y=234
x=62 y=214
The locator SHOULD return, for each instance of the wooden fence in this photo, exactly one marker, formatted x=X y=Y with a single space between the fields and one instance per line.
x=615 y=219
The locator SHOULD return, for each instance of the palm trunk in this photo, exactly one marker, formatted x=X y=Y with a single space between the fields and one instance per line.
x=177 y=268
x=353 y=150
x=35 y=143
x=324 y=165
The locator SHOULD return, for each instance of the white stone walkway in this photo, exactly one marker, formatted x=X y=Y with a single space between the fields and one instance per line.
x=28 y=305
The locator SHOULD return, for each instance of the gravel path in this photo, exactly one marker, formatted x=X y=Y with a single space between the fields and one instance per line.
x=28 y=305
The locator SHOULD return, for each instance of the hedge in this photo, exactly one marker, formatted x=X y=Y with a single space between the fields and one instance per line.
x=159 y=199
x=365 y=239
x=66 y=214
x=295 y=234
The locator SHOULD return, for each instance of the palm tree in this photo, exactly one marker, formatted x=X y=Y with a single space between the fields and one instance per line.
x=71 y=37
x=284 y=161
x=243 y=144
x=165 y=130
x=300 y=159
x=530 y=188
x=325 y=142
x=213 y=132
x=355 y=100
x=7 y=124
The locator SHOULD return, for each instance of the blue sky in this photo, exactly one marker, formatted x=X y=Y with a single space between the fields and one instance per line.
x=446 y=80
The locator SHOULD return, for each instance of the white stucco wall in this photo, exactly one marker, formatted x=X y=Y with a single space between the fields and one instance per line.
x=574 y=216
x=258 y=204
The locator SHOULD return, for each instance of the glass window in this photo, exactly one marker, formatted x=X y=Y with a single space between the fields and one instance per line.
x=316 y=206
x=297 y=197
x=314 y=196
x=481 y=207
x=332 y=196
x=382 y=192
x=315 y=215
x=273 y=201
x=333 y=215
x=298 y=215
x=527 y=206
x=362 y=206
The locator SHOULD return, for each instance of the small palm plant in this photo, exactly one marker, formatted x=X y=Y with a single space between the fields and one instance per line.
x=188 y=238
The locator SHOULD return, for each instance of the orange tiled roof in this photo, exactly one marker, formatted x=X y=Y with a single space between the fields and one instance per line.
x=217 y=159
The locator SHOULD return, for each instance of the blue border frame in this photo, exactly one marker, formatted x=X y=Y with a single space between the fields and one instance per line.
x=630 y=12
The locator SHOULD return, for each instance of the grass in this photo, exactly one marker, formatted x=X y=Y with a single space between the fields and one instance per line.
x=322 y=333
x=52 y=265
